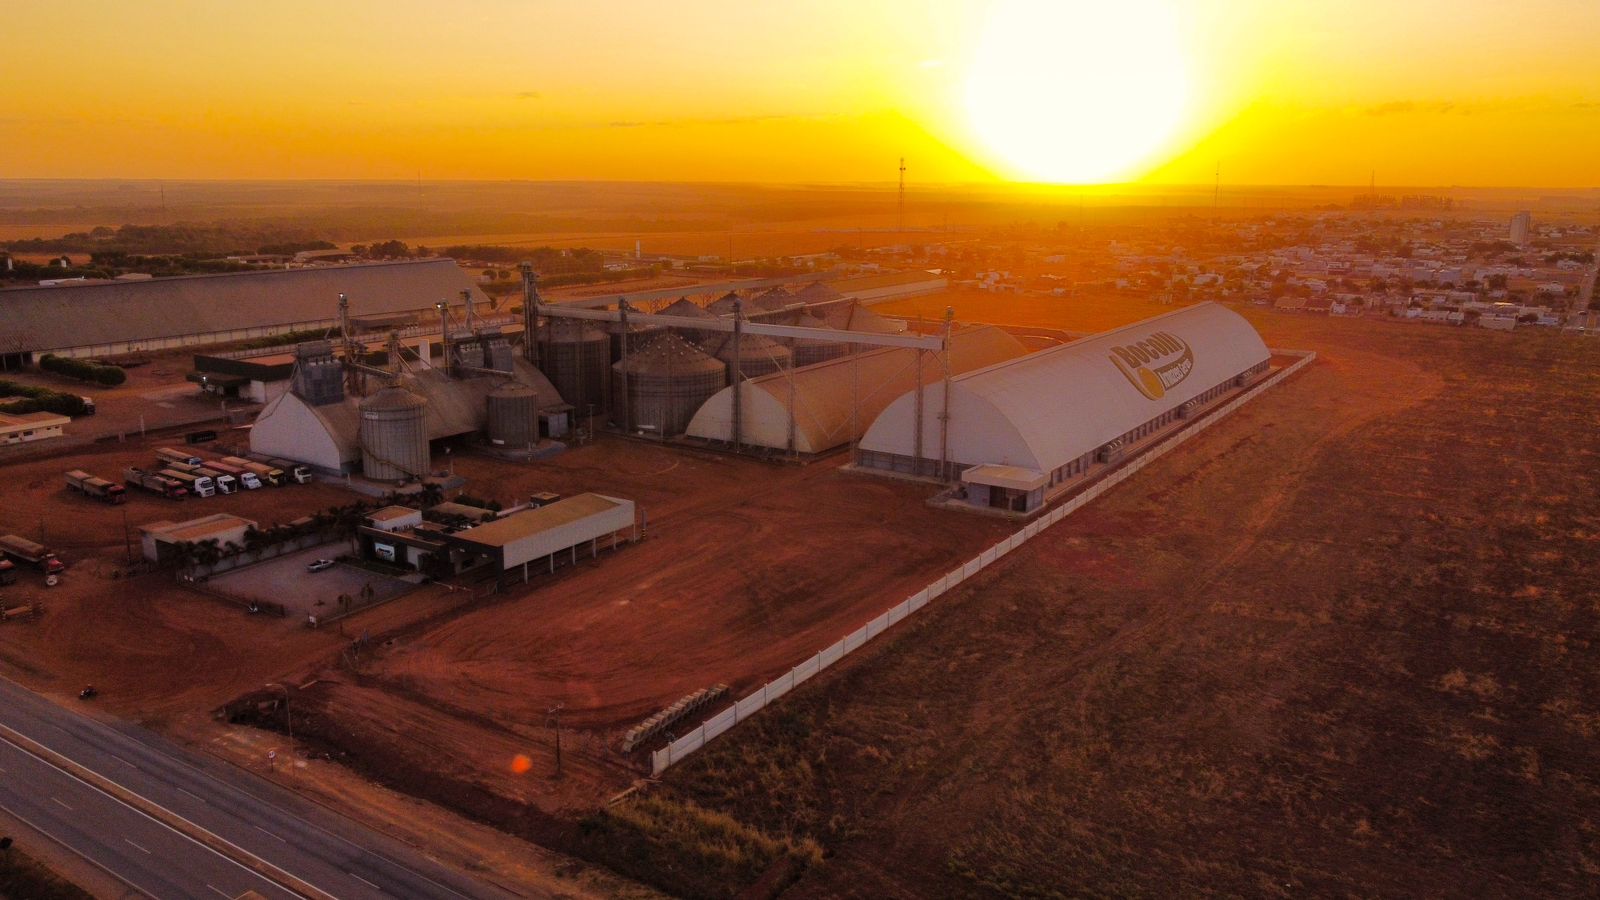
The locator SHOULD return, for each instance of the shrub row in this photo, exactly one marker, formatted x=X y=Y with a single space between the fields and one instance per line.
x=38 y=399
x=83 y=369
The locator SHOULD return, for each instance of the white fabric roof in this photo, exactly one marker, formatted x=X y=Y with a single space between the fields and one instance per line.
x=824 y=393
x=1046 y=409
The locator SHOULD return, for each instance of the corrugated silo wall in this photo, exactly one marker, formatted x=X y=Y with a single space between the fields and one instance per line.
x=663 y=404
x=580 y=371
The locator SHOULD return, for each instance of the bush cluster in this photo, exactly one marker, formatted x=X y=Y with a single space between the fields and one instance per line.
x=83 y=369
x=38 y=399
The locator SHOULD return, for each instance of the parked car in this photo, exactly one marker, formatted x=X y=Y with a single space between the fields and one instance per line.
x=319 y=565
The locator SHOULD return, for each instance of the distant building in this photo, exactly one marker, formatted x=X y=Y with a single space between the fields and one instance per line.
x=1521 y=227
x=115 y=317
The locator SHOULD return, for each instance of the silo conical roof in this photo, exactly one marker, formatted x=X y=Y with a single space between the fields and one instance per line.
x=668 y=354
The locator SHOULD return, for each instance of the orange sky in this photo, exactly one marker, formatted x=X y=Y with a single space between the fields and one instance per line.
x=1423 y=91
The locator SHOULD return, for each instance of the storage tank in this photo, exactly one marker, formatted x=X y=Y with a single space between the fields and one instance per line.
x=758 y=354
x=683 y=307
x=513 y=415
x=577 y=360
x=808 y=351
x=660 y=388
x=394 y=439
x=724 y=305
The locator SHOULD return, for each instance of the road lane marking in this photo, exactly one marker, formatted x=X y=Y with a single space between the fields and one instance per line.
x=121 y=760
x=58 y=800
x=276 y=882
x=221 y=892
x=365 y=882
x=136 y=845
x=269 y=834
x=194 y=795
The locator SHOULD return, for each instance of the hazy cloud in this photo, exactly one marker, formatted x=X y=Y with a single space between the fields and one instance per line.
x=529 y=95
x=1406 y=107
x=730 y=120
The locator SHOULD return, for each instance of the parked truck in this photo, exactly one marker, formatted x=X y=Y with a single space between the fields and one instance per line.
x=225 y=483
x=196 y=485
x=169 y=455
x=300 y=473
x=268 y=474
x=156 y=483
x=243 y=477
x=98 y=488
x=22 y=551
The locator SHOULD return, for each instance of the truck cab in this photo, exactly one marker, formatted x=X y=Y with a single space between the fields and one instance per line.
x=226 y=484
x=249 y=480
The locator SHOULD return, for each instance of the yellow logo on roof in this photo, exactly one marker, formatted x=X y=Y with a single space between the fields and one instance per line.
x=1154 y=365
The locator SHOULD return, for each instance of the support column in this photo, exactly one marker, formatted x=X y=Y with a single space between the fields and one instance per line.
x=738 y=376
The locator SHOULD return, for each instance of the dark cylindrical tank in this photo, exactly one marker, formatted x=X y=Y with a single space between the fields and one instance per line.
x=513 y=415
x=577 y=360
x=394 y=437
x=661 y=387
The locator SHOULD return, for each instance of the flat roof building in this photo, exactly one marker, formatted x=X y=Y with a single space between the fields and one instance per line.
x=160 y=539
x=539 y=535
x=34 y=426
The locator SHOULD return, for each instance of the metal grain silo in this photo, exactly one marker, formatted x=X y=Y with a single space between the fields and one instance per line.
x=659 y=388
x=394 y=438
x=577 y=360
x=757 y=354
x=808 y=351
x=513 y=415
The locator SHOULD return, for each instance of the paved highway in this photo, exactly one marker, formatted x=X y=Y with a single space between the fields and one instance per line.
x=259 y=829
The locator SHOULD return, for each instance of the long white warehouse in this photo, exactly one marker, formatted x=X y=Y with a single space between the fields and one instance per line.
x=1021 y=430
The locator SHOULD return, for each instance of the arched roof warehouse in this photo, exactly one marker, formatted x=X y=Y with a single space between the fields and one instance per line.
x=824 y=393
x=1045 y=410
x=190 y=310
x=329 y=436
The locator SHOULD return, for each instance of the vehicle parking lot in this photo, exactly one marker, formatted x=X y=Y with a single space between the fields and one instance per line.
x=285 y=580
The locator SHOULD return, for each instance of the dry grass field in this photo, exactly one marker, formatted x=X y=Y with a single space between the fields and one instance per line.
x=1343 y=645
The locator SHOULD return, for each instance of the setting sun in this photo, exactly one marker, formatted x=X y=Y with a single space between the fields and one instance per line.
x=1077 y=92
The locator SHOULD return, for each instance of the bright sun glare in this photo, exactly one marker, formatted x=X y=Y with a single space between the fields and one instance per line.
x=1077 y=91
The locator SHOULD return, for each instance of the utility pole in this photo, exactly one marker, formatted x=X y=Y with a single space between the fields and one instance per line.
x=555 y=714
x=902 y=226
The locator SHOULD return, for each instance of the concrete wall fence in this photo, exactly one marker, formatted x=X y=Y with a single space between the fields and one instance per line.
x=681 y=748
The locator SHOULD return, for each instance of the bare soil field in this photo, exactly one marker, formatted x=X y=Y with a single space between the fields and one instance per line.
x=746 y=569
x=1343 y=644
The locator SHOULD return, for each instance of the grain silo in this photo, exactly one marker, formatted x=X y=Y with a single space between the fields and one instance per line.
x=394 y=438
x=724 y=305
x=755 y=356
x=577 y=360
x=659 y=388
x=513 y=415
x=684 y=308
x=809 y=351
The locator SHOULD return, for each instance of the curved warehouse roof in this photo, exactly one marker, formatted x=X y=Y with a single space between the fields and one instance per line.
x=329 y=436
x=825 y=392
x=1044 y=410
x=86 y=315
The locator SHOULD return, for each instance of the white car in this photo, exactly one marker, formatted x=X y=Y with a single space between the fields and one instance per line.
x=319 y=565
